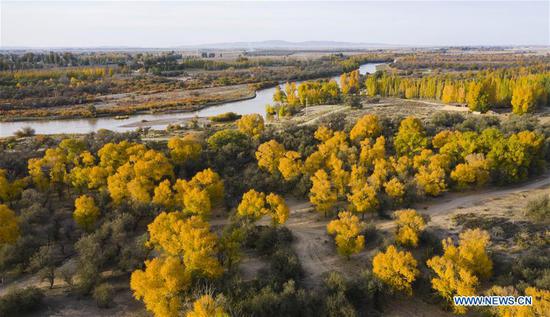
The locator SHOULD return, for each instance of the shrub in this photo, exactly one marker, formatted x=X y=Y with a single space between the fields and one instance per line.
x=23 y=132
x=225 y=117
x=538 y=209
x=103 y=295
x=21 y=301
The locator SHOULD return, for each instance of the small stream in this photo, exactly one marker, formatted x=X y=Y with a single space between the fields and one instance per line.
x=254 y=105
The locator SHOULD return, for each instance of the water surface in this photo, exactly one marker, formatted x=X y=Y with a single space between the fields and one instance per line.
x=254 y=105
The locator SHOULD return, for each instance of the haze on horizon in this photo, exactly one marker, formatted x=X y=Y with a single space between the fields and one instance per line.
x=177 y=23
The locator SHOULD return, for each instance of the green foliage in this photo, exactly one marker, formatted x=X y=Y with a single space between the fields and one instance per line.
x=21 y=301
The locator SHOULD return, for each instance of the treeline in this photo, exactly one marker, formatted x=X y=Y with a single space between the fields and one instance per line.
x=31 y=60
x=309 y=93
x=449 y=60
x=521 y=89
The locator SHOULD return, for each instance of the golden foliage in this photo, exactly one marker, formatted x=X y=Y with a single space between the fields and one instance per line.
x=366 y=127
x=347 y=229
x=206 y=306
x=160 y=284
x=183 y=150
x=269 y=154
x=322 y=194
x=9 y=226
x=395 y=268
x=86 y=212
x=410 y=225
x=251 y=125
x=290 y=165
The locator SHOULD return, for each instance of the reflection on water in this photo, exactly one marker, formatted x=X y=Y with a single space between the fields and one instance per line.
x=255 y=105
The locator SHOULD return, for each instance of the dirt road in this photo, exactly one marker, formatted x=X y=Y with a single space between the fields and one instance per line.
x=317 y=252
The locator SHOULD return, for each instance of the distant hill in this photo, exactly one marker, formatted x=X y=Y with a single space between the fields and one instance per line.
x=279 y=44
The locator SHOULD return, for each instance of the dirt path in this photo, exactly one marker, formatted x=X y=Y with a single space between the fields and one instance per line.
x=317 y=252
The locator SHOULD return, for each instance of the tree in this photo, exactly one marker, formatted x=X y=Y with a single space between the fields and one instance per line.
x=290 y=165
x=431 y=180
x=255 y=205
x=9 y=191
x=163 y=195
x=409 y=226
x=472 y=252
x=160 y=284
x=278 y=208
x=475 y=172
x=452 y=280
x=525 y=96
x=251 y=125
x=197 y=201
x=322 y=193
x=410 y=138
x=396 y=268
x=86 y=212
x=9 y=226
x=347 y=229
x=252 y=205
x=459 y=269
x=363 y=199
x=189 y=239
x=269 y=154
x=478 y=98
x=395 y=189
x=323 y=133
x=206 y=306
x=183 y=150
x=540 y=297
x=366 y=127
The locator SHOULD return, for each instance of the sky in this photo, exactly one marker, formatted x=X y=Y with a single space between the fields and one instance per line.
x=175 y=23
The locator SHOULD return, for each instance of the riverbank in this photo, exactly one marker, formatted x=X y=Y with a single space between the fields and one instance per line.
x=132 y=104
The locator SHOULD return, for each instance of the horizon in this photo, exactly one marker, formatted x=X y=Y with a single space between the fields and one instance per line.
x=180 y=24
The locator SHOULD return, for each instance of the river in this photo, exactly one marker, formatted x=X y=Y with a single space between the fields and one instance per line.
x=254 y=105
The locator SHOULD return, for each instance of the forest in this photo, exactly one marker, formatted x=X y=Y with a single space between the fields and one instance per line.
x=373 y=193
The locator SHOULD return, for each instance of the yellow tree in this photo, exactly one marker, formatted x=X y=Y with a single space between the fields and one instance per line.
x=458 y=269
x=9 y=226
x=252 y=205
x=163 y=195
x=86 y=212
x=278 y=208
x=160 y=285
x=410 y=138
x=410 y=225
x=184 y=149
x=397 y=269
x=363 y=199
x=290 y=165
x=338 y=175
x=9 y=190
x=452 y=280
x=323 y=133
x=475 y=172
x=540 y=298
x=431 y=180
x=347 y=231
x=473 y=255
x=366 y=127
x=251 y=125
x=395 y=189
x=255 y=205
x=322 y=194
x=269 y=155
x=525 y=96
x=189 y=239
x=197 y=201
x=206 y=306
